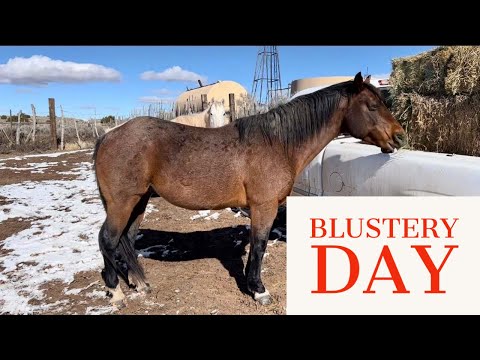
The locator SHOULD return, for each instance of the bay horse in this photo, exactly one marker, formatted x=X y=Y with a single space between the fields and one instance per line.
x=251 y=162
x=212 y=116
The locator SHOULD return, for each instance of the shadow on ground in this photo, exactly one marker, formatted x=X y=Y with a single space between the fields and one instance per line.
x=226 y=244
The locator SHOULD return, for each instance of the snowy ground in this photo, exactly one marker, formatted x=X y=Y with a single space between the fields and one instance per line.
x=65 y=218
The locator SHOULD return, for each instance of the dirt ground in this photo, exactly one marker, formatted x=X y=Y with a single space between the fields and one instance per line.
x=193 y=266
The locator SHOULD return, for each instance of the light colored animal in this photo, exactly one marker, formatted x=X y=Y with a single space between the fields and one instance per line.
x=110 y=129
x=212 y=116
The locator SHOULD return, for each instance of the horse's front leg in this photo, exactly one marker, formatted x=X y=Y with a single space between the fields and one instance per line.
x=262 y=217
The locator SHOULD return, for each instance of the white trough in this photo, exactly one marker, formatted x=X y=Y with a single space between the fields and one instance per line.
x=348 y=168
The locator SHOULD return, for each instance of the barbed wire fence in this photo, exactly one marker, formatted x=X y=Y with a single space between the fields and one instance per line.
x=27 y=130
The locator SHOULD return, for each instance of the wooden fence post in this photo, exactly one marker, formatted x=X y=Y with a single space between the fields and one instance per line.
x=62 y=130
x=53 y=122
x=17 y=135
x=204 y=101
x=231 y=101
x=34 y=115
x=76 y=131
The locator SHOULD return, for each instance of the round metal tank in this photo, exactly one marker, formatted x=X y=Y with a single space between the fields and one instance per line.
x=316 y=82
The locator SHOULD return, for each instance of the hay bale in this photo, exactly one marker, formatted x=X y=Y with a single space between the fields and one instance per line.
x=449 y=124
x=446 y=70
x=423 y=73
x=463 y=71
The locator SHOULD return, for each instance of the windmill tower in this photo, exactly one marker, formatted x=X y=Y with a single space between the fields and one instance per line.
x=267 y=84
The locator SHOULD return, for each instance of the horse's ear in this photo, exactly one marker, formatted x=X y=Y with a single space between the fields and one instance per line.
x=223 y=101
x=358 y=81
x=367 y=79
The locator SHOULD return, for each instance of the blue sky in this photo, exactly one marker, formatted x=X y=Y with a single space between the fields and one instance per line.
x=114 y=80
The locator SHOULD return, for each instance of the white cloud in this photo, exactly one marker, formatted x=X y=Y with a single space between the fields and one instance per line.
x=41 y=70
x=175 y=73
x=155 y=99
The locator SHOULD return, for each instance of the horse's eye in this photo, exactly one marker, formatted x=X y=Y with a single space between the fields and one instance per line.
x=223 y=114
x=372 y=107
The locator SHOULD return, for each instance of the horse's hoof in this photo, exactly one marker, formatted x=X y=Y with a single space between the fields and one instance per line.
x=119 y=304
x=144 y=289
x=263 y=298
x=118 y=297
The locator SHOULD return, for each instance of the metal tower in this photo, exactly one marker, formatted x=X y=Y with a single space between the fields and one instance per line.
x=267 y=84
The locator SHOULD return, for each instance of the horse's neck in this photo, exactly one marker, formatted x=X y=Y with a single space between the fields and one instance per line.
x=306 y=152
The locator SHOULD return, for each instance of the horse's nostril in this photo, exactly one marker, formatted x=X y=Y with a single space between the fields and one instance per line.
x=400 y=138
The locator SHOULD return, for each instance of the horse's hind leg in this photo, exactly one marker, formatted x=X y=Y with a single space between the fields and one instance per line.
x=108 y=239
x=112 y=239
x=262 y=219
x=136 y=219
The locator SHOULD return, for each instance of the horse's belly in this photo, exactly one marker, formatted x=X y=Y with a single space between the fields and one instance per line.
x=200 y=196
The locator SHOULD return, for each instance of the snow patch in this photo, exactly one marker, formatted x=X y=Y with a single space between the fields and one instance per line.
x=201 y=214
x=61 y=242
x=214 y=216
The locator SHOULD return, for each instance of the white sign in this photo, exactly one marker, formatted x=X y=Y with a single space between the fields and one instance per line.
x=383 y=255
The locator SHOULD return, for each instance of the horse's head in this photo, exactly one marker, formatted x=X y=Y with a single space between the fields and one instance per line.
x=368 y=118
x=217 y=113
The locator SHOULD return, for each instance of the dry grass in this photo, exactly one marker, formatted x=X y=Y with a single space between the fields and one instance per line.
x=446 y=124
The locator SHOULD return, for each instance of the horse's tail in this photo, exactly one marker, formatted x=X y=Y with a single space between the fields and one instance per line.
x=97 y=146
x=129 y=255
x=94 y=158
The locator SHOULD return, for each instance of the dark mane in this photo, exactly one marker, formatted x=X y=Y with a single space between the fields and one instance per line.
x=298 y=120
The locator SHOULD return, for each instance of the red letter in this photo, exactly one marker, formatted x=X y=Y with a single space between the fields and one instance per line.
x=425 y=228
x=390 y=220
x=392 y=268
x=333 y=230
x=322 y=269
x=449 y=228
x=370 y=226
x=349 y=228
x=314 y=227
x=406 y=227
x=434 y=272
